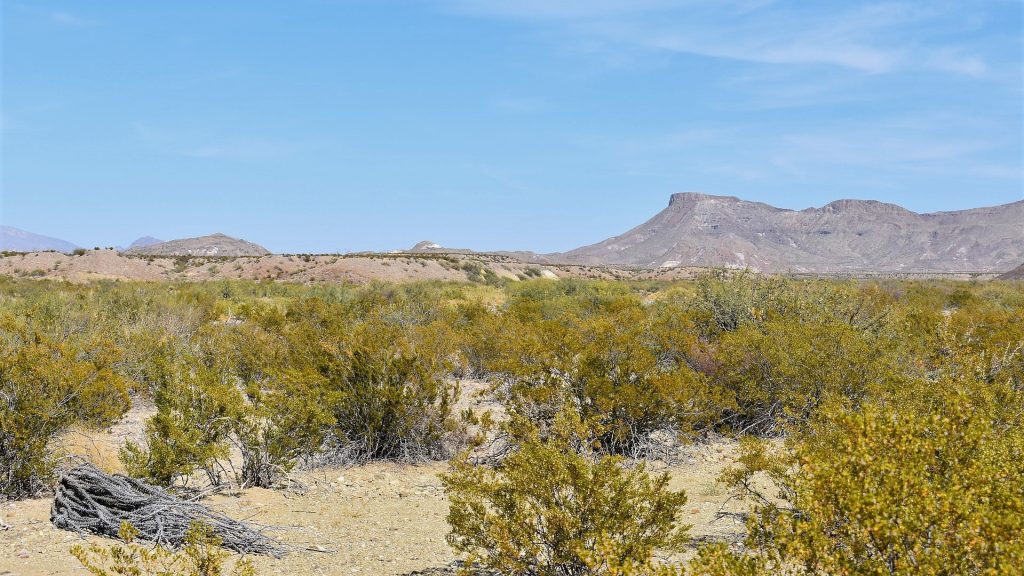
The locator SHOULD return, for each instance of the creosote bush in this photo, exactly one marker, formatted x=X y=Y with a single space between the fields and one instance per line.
x=930 y=485
x=555 y=507
x=272 y=422
x=259 y=393
x=389 y=405
x=46 y=387
x=612 y=367
x=773 y=377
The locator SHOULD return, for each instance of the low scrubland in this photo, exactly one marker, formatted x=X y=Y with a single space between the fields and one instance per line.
x=879 y=422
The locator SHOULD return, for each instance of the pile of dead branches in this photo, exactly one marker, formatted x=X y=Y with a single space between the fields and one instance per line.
x=88 y=500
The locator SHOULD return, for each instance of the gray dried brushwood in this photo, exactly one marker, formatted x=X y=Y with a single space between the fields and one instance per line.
x=87 y=500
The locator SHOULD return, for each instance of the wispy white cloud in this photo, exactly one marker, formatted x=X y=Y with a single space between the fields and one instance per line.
x=852 y=149
x=847 y=39
x=65 y=18
x=926 y=145
x=768 y=88
x=873 y=38
x=953 y=59
x=897 y=149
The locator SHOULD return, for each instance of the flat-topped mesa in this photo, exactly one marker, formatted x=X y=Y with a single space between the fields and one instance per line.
x=845 y=236
x=694 y=197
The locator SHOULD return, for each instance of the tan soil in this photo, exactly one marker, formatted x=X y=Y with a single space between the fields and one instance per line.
x=377 y=519
x=362 y=268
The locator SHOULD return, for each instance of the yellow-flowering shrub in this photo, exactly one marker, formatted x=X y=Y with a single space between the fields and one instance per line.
x=933 y=487
x=554 y=507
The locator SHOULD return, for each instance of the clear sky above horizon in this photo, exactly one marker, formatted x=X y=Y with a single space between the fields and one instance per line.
x=322 y=126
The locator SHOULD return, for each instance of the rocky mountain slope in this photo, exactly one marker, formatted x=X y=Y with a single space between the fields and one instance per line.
x=15 y=240
x=842 y=236
x=212 y=245
x=1015 y=274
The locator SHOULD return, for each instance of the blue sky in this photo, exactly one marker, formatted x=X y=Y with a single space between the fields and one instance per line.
x=535 y=124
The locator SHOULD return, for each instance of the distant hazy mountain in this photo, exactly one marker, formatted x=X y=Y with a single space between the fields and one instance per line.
x=843 y=236
x=15 y=240
x=144 y=241
x=212 y=245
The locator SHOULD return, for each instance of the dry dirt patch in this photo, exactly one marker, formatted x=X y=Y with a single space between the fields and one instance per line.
x=378 y=519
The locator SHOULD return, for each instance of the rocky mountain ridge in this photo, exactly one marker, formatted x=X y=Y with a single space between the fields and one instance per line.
x=844 y=236
x=702 y=230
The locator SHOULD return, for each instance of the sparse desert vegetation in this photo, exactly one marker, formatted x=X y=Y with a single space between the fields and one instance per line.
x=865 y=427
x=498 y=288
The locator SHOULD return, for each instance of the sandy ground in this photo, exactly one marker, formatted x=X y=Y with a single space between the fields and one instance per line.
x=377 y=519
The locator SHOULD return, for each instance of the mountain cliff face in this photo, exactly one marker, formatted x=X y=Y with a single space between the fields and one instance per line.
x=843 y=236
x=212 y=245
x=16 y=240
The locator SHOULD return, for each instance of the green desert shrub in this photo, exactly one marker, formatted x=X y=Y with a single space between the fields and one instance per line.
x=46 y=387
x=774 y=376
x=279 y=415
x=230 y=392
x=249 y=402
x=611 y=368
x=190 y=428
x=200 y=555
x=388 y=403
x=272 y=417
x=725 y=300
x=993 y=333
x=930 y=487
x=537 y=300
x=281 y=424
x=554 y=507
